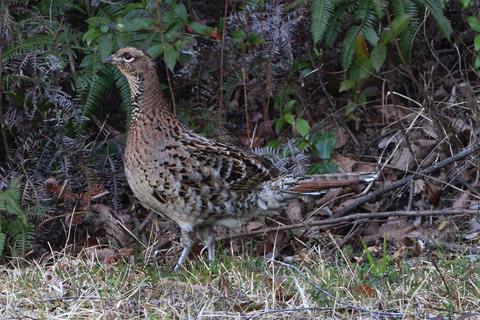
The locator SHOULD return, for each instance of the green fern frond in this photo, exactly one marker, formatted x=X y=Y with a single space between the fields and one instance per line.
x=366 y=17
x=3 y=238
x=121 y=84
x=436 y=9
x=20 y=234
x=337 y=22
x=348 y=50
x=10 y=199
x=93 y=82
x=322 y=11
x=405 y=40
x=39 y=41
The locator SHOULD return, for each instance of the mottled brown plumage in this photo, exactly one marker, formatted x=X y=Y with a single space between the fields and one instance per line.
x=197 y=182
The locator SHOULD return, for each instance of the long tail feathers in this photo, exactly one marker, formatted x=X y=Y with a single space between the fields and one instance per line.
x=318 y=184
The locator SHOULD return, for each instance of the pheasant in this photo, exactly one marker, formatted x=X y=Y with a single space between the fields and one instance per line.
x=197 y=182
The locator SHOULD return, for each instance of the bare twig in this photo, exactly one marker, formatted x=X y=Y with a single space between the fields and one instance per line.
x=356 y=218
x=400 y=183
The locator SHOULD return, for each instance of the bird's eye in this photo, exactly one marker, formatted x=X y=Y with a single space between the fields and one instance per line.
x=128 y=57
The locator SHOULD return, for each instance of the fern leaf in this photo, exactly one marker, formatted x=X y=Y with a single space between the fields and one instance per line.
x=93 y=82
x=348 y=49
x=436 y=9
x=337 y=22
x=322 y=11
x=3 y=237
x=124 y=90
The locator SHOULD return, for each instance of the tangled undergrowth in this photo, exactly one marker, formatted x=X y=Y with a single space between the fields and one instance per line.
x=75 y=242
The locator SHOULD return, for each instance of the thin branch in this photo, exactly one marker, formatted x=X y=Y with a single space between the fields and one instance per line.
x=356 y=218
x=400 y=183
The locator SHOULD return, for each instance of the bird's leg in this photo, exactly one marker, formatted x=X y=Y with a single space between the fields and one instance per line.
x=210 y=244
x=187 y=244
x=207 y=235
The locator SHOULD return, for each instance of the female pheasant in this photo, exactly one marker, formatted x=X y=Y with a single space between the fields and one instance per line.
x=196 y=182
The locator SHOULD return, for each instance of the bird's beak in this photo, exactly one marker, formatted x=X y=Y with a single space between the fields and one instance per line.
x=110 y=59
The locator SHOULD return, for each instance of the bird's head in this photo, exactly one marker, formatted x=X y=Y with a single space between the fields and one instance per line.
x=132 y=62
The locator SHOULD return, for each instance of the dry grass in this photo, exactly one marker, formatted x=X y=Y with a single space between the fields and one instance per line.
x=241 y=288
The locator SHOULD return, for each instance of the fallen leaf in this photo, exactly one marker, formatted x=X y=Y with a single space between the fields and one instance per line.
x=433 y=192
x=294 y=211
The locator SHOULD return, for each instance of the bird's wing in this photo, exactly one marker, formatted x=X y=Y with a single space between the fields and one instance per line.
x=236 y=169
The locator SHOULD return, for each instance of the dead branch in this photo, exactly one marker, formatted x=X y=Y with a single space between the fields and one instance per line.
x=400 y=183
x=357 y=218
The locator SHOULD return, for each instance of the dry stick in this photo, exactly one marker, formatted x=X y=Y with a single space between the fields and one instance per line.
x=355 y=217
x=373 y=195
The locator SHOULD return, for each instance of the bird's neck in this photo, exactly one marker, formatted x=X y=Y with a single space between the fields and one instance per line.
x=150 y=106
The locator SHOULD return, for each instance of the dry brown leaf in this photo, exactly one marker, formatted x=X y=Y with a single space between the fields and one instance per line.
x=345 y=164
x=329 y=197
x=433 y=192
x=366 y=290
x=294 y=211
x=96 y=253
x=114 y=224
x=341 y=137
x=462 y=201
x=404 y=160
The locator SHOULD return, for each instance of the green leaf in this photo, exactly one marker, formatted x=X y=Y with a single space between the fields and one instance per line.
x=289 y=106
x=97 y=21
x=325 y=145
x=476 y=65
x=104 y=28
x=155 y=51
x=476 y=41
x=289 y=118
x=366 y=69
x=466 y=4
x=302 y=127
x=181 y=12
x=200 y=28
x=124 y=25
x=279 y=125
x=172 y=56
x=398 y=25
x=91 y=35
x=474 y=23
x=323 y=167
x=371 y=36
x=105 y=46
x=346 y=85
x=378 y=56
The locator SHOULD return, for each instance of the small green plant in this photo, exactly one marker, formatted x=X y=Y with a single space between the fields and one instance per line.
x=16 y=228
x=378 y=269
x=321 y=145
x=474 y=23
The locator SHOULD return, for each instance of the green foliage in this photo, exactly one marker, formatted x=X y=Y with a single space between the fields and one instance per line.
x=321 y=145
x=474 y=23
x=369 y=17
x=16 y=228
x=132 y=24
x=380 y=268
